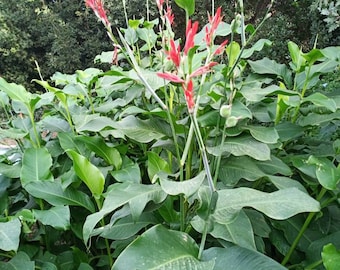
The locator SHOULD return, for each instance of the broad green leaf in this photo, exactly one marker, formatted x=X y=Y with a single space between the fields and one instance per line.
x=92 y=122
x=187 y=5
x=55 y=124
x=321 y=100
x=313 y=56
x=36 y=163
x=129 y=173
x=53 y=193
x=259 y=223
x=327 y=174
x=233 y=51
x=235 y=168
x=239 y=258
x=314 y=119
x=257 y=93
x=187 y=187
x=324 y=67
x=12 y=133
x=68 y=141
x=136 y=195
x=88 y=173
x=279 y=205
x=10 y=235
x=267 y=66
x=110 y=154
x=288 y=131
x=241 y=146
x=19 y=262
x=282 y=182
x=240 y=111
x=15 y=92
x=140 y=130
x=10 y=171
x=258 y=46
x=127 y=227
x=263 y=134
x=156 y=164
x=238 y=231
x=330 y=257
x=174 y=250
x=332 y=52
x=274 y=166
x=58 y=217
x=296 y=55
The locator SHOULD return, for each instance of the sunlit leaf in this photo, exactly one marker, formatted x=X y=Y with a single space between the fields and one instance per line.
x=10 y=235
x=174 y=250
x=58 y=217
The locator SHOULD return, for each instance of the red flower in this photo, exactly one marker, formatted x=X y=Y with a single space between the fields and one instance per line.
x=169 y=15
x=170 y=77
x=202 y=70
x=220 y=49
x=214 y=23
x=174 y=54
x=98 y=7
x=190 y=35
x=160 y=4
x=189 y=95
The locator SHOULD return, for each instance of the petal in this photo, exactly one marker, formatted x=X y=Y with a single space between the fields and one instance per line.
x=170 y=77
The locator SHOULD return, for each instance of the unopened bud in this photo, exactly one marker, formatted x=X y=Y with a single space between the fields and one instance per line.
x=225 y=111
x=231 y=121
x=235 y=24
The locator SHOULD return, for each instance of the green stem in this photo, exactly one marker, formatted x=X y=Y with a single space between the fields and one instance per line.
x=204 y=238
x=303 y=229
x=37 y=138
x=102 y=223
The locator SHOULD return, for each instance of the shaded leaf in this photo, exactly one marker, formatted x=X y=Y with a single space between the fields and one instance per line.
x=136 y=195
x=19 y=262
x=58 y=217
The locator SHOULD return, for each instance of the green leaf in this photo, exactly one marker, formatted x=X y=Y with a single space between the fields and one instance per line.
x=315 y=119
x=127 y=227
x=239 y=258
x=174 y=250
x=58 y=217
x=10 y=235
x=136 y=195
x=233 y=51
x=19 y=262
x=327 y=174
x=238 y=231
x=68 y=141
x=241 y=146
x=15 y=92
x=321 y=100
x=288 y=131
x=130 y=172
x=282 y=182
x=313 y=56
x=258 y=46
x=263 y=134
x=187 y=187
x=235 y=168
x=155 y=165
x=187 y=5
x=296 y=55
x=88 y=173
x=10 y=171
x=280 y=204
x=92 y=122
x=53 y=193
x=110 y=154
x=36 y=163
x=331 y=257
x=140 y=130
x=240 y=111
x=267 y=66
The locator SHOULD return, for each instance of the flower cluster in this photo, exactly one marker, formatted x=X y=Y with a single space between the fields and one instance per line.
x=178 y=58
x=98 y=7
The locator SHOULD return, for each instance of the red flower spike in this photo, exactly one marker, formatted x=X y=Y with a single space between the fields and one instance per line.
x=174 y=53
x=220 y=49
x=169 y=15
x=160 y=4
x=190 y=36
x=214 y=23
x=202 y=70
x=170 y=77
x=98 y=8
x=189 y=95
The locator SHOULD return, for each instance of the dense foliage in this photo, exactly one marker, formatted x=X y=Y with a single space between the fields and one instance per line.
x=184 y=154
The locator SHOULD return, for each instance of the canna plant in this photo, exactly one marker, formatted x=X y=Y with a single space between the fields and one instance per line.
x=184 y=155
